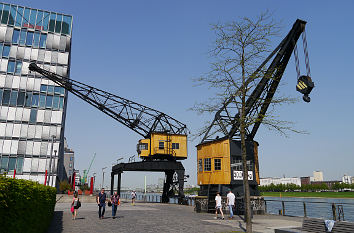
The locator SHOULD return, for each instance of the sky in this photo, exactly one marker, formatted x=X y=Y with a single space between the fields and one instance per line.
x=150 y=51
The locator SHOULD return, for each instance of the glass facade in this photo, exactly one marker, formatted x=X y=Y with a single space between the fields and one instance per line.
x=32 y=108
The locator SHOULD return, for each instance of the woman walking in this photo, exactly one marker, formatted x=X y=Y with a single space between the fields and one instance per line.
x=75 y=204
x=115 y=203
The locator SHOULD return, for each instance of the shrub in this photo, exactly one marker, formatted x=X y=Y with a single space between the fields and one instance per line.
x=65 y=186
x=84 y=187
x=25 y=206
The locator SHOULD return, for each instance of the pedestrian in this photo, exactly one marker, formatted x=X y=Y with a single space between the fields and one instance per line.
x=115 y=203
x=231 y=203
x=133 y=197
x=218 y=206
x=75 y=204
x=101 y=201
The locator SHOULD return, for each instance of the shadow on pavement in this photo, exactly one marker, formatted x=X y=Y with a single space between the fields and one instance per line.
x=56 y=226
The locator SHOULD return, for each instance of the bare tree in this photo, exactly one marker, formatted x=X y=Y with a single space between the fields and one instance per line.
x=239 y=48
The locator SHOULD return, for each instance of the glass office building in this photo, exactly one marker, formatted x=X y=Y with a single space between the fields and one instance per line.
x=32 y=108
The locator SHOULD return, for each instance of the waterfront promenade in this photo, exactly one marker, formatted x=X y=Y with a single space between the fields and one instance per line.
x=157 y=217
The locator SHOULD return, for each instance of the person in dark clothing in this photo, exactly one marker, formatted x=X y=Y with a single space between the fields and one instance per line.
x=101 y=201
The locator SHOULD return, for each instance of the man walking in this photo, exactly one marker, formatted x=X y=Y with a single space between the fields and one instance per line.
x=231 y=203
x=101 y=201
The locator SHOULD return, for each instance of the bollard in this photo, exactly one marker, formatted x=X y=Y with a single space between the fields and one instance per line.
x=334 y=212
x=283 y=205
x=305 y=213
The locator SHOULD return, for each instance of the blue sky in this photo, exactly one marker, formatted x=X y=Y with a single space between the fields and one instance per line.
x=149 y=52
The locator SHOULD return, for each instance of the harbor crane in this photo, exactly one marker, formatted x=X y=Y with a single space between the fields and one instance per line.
x=164 y=139
x=219 y=158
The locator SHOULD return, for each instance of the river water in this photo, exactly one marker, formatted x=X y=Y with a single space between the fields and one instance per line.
x=315 y=207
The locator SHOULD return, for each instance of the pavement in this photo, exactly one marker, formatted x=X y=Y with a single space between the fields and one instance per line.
x=158 y=217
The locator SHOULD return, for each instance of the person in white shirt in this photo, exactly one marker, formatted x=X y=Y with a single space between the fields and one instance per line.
x=218 y=206
x=133 y=194
x=231 y=203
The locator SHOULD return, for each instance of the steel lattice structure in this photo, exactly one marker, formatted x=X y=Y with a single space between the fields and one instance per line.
x=140 y=118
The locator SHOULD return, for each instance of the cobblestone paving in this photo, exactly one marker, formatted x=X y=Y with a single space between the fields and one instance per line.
x=148 y=217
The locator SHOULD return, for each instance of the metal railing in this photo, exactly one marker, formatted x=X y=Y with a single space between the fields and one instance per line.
x=335 y=210
x=155 y=198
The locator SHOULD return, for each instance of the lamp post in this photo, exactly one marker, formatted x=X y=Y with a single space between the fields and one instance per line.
x=94 y=180
x=103 y=177
x=55 y=155
x=50 y=160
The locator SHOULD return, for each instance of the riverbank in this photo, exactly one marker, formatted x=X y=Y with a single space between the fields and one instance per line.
x=310 y=194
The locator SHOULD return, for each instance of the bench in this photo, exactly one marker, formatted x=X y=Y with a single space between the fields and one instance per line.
x=316 y=225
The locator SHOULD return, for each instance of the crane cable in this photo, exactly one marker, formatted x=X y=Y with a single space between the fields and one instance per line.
x=307 y=61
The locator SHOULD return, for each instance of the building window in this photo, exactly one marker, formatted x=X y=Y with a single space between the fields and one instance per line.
x=70 y=165
x=43 y=41
x=35 y=100
x=175 y=146
x=23 y=37
x=161 y=145
x=21 y=99
x=36 y=40
x=6 y=51
x=49 y=101
x=19 y=165
x=50 y=89
x=12 y=164
x=207 y=164
x=11 y=67
x=44 y=88
x=18 y=67
x=13 y=98
x=4 y=162
x=29 y=38
x=33 y=116
x=6 y=97
x=16 y=36
x=143 y=146
x=200 y=165
x=42 y=101
x=217 y=164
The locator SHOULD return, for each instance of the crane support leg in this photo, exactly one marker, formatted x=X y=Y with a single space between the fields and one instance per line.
x=112 y=182
x=167 y=191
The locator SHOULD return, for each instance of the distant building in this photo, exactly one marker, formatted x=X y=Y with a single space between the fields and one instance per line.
x=276 y=181
x=69 y=159
x=305 y=180
x=317 y=176
x=347 y=179
x=328 y=183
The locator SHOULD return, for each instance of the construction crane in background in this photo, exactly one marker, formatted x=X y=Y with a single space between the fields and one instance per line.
x=86 y=172
x=219 y=158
